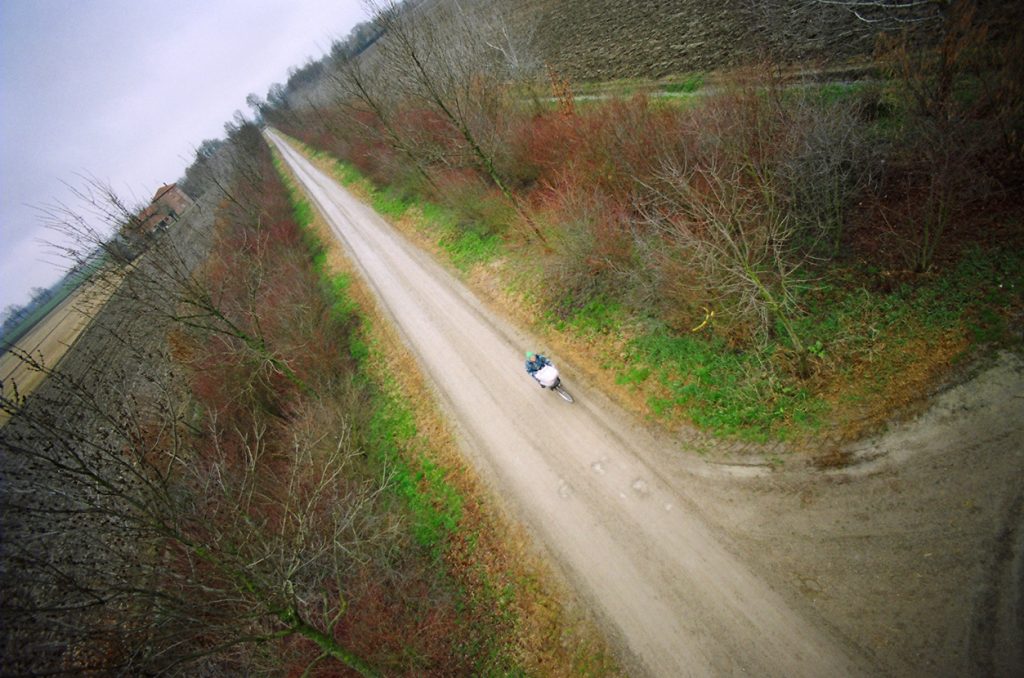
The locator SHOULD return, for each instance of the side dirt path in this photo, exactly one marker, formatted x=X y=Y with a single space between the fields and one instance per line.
x=915 y=550
x=677 y=598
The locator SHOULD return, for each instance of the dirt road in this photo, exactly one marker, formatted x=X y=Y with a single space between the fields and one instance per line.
x=677 y=598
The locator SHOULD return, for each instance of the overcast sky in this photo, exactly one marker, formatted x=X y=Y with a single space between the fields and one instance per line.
x=125 y=90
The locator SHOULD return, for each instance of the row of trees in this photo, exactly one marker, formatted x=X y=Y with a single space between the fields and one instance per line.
x=11 y=316
x=197 y=489
x=435 y=89
x=735 y=201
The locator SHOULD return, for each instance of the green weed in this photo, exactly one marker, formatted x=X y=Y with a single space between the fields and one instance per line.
x=435 y=506
x=724 y=391
x=470 y=247
x=688 y=85
x=302 y=212
x=974 y=295
x=833 y=92
x=597 y=316
x=634 y=375
x=389 y=203
x=346 y=174
x=437 y=215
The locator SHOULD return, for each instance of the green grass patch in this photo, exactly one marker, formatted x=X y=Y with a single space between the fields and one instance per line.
x=724 y=391
x=834 y=92
x=470 y=247
x=623 y=87
x=464 y=247
x=435 y=507
x=851 y=321
x=745 y=394
x=688 y=85
x=302 y=212
x=346 y=173
x=633 y=375
x=389 y=203
x=597 y=316
x=342 y=305
x=727 y=392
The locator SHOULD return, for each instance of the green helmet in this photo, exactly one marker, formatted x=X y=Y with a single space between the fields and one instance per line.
x=529 y=354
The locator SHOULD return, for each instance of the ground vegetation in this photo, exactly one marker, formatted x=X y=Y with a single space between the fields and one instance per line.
x=212 y=482
x=762 y=258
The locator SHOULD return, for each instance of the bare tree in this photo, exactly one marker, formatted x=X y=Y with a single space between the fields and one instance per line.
x=831 y=162
x=147 y=531
x=721 y=203
x=742 y=249
x=458 y=62
x=170 y=541
x=961 y=103
x=200 y=175
x=360 y=88
x=173 y=264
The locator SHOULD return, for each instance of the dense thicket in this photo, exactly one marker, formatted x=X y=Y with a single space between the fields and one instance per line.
x=747 y=198
x=207 y=486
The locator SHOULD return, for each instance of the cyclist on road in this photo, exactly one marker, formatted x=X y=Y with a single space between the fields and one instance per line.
x=534 y=362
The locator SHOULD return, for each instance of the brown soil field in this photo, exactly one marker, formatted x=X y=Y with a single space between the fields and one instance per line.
x=609 y=39
x=596 y=40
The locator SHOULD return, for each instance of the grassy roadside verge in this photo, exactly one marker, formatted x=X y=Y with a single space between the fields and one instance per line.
x=504 y=586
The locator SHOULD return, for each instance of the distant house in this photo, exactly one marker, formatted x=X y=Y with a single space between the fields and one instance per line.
x=175 y=199
x=168 y=202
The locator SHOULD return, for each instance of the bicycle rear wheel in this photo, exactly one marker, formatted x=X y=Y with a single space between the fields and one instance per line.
x=562 y=392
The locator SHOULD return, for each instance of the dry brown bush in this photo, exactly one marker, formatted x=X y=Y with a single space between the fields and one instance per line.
x=958 y=153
